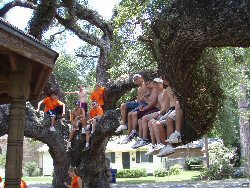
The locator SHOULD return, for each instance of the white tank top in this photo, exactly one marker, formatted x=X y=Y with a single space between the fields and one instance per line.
x=82 y=96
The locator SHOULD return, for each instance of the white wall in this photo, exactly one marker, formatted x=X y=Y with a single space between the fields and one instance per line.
x=47 y=164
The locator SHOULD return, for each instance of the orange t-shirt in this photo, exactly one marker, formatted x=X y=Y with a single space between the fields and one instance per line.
x=23 y=184
x=74 y=182
x=98 y=95
x=51 y=104
x=96 y=112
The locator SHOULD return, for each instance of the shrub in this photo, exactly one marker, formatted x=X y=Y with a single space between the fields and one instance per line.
x=220 y=166
x=193 y=161
x=131 y=173
x=31 y=168
x=161 y=172
x=175 y=170
x=2 y=161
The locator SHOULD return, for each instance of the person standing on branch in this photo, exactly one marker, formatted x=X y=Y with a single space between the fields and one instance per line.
x=53 y=107
x=98 y=95
x=82 y=97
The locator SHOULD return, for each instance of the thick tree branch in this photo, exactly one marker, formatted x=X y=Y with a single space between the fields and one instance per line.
x=42 y=18
x=16 y=3
x=83 y=35
x=84 y=13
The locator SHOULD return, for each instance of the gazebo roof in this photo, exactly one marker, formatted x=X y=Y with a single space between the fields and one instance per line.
x=18 y=49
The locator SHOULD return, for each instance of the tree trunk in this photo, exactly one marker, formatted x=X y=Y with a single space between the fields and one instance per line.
x=244 y=127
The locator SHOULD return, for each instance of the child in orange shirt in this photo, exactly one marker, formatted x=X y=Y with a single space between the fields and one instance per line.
x=76 y=181
x=52 y=108
x=95 y=114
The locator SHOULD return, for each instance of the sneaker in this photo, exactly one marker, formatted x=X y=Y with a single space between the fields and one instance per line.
x=128 y=138
x=68 y=146
x=86 y=148
x=83 y=130
x=136 y=143
x=166 y=151
x=152 y=150
x=142 y=142
x=121 y=128
x=174 y=138
x=52 y=128
x=159 y=146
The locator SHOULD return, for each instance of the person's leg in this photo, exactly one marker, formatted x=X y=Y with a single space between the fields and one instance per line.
x=179 y=116
x=145 y=126
x=93 y=126
x=130 y=125
x=134 y=120
x=123 y=113
x=71 y=134
x=87 y=140
x=53 y=121
x=159 y=132
x=170 y=126
x=84 y=122
x=151 y=130
x=140 y=128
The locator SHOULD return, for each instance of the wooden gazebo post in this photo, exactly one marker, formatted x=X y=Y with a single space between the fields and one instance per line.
x=25 y=64
x=19 y=93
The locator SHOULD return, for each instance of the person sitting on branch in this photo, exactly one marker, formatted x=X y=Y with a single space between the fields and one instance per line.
x=95 y=115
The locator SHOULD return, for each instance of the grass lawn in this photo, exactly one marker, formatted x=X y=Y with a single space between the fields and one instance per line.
x=40 y=179
x=183 y=176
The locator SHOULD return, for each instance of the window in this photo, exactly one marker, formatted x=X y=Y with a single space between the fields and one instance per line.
x=112 y=158
x=142 y=158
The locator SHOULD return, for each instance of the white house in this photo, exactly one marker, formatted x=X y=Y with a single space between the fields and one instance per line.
x=45 y=160
x=122 y=156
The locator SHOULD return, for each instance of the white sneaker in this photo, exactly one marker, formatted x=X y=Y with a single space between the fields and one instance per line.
x=52 y=128
x=159 y=146
x=68 y=144
x=152 y=150
x=83 y=131
x=166 y=151
x=121 y=128
x=126 y=140
x=174 y=138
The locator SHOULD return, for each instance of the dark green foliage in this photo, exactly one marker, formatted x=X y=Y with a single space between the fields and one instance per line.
x=193 y=161
x=131 y=173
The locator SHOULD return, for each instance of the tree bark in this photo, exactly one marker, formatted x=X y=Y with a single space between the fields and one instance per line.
x=244 y=127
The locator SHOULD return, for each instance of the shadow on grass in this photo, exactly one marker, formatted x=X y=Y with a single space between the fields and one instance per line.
x=135 y=181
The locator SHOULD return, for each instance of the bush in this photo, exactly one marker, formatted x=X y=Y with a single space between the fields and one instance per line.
x=31 y=168
x=175 y=170
x=161 y=172
x=2 y=161
x=220 y=166
x=131 y=173
x=193 y=161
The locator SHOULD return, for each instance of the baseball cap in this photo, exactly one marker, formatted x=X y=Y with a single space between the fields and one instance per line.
x=136 y=76
x=158 y=80
x=77 y=103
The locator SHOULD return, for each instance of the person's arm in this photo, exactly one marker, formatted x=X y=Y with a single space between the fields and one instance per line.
x=63 y=113
x=39 y=105
x=68 y=186
x=79 y=182
x=166 y=103
x=153 y=101
x=71 y=92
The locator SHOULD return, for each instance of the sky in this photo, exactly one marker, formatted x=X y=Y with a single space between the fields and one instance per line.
x=19 y=17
